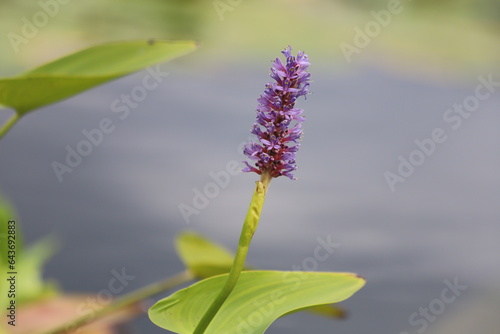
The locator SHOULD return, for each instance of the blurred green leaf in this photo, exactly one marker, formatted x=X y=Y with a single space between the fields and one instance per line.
x=259 y=298
x=201 y=256
x=85 y=69
x=29 y=262
x=31 y=285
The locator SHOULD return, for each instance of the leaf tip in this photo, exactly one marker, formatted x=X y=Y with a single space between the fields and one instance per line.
x=361 y=277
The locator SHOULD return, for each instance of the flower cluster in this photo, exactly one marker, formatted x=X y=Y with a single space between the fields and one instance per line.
x=278 y=137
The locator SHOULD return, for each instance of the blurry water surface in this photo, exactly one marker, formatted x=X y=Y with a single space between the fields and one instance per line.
x=119 y=208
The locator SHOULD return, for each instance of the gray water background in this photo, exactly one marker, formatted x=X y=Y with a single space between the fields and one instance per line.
x=120 y=207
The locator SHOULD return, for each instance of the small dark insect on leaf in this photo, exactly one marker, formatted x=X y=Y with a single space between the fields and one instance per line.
x=151 y=41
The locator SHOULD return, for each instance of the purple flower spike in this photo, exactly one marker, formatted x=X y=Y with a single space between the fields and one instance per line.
x=279 y=124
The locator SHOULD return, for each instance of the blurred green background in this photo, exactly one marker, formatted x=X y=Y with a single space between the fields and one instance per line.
x=427 y=38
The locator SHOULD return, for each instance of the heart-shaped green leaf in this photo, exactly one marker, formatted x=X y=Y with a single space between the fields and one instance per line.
x=204 y=258
x=259 y=298
x=85 y=69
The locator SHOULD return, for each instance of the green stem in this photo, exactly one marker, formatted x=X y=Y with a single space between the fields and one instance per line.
x=247 y=232
x=7 y=125
x=125 y=301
